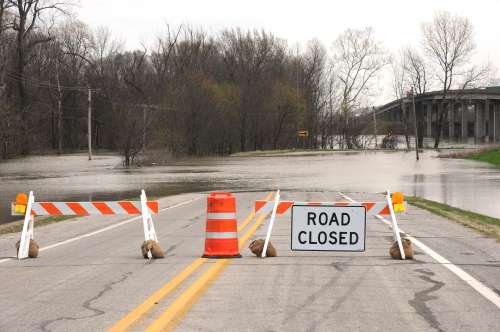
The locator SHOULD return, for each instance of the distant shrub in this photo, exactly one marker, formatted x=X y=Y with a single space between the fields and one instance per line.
x=389 y=142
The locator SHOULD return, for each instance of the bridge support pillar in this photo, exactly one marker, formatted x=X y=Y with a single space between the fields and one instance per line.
x=464 y=123
x=439 y=110
x=496 y=122
x=451 y=121
x=487 y=123
x=428 y=108
x=479 y=123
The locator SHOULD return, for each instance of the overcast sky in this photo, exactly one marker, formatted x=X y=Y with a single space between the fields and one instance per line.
x=396 y=22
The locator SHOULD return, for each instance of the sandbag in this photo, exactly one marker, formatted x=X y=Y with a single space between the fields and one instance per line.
x=407 y=248
x=154 y=247
x=33 y=248
x=258 y=245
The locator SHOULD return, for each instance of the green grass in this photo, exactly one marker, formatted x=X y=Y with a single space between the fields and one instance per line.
x=484 y=224
x=491 y=156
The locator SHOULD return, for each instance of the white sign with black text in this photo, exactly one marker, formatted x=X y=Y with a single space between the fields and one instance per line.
x=328 y=228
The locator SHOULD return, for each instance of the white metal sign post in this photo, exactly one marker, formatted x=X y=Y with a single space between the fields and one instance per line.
x=271 y=223
x=328 y=228
x=395 y=228
x=147 y=222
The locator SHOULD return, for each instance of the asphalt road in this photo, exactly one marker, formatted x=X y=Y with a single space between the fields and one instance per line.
x=99 y=281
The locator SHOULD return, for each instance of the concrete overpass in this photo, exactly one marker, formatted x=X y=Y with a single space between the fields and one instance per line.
x=472 y=113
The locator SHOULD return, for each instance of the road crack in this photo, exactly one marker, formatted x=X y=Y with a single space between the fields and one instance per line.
x=419 y=302
x=44 y=326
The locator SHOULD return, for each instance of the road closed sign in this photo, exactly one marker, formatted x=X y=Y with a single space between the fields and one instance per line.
x=328 y=228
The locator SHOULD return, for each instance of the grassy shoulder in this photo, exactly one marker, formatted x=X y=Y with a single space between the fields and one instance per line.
x=491 y=156
x=488 y=155
x=484 y=224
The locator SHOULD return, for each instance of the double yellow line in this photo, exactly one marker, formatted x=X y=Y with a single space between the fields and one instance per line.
x=172 y=315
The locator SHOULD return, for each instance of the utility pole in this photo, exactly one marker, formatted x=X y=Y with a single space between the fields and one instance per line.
x=415 y=122
x=297 y=73
x=89 y=128
x=59 y=111
x=144 y=115
x=375 y=128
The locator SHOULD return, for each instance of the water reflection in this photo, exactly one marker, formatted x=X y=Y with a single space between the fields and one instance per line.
x=461 y=183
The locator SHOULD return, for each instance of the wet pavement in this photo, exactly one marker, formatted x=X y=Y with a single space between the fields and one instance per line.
x=462 y=183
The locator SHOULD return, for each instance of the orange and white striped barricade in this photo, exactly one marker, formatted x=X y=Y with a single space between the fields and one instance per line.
x=221 y=237
x=143 y=207
x=372 y=208
x=394 y=204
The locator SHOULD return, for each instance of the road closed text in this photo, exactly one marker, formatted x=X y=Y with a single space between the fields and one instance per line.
x=328 y=228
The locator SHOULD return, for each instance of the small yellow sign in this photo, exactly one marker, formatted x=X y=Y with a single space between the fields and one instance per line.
x=17 y=209
x=398 y=202
x=303 y=133
x=399 y=207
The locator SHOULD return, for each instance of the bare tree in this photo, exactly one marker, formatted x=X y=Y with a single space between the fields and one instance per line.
x=313 y=78
x=6 y=41
x=5 y=24
x=332 y=107
x=246 y=56
x=416 y=69
x=448 y=42
x=28 y=13
x=163 y=54
x=358 y=59
x=476 y=76
x=400 y=87
x=4 y=5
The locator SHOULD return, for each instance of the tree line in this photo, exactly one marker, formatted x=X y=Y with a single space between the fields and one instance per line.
x=190 y=92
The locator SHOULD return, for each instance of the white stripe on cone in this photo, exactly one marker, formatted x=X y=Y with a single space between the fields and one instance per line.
x=221 y=235
x=223 y=216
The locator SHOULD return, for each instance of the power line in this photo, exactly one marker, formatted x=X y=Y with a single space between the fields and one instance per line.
x=150 y=106
x=48 y=85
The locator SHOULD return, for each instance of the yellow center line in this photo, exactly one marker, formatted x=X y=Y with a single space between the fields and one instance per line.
x=173 y=314
x=144 y=307
x=252 y=214
x=150 y=302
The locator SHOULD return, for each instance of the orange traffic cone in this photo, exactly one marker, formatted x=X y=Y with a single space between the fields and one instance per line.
x=221 y=239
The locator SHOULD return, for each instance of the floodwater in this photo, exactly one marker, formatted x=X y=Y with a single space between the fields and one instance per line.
x=465 y=184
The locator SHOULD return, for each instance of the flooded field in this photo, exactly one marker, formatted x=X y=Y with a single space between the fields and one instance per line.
x=466 y=184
